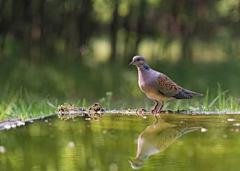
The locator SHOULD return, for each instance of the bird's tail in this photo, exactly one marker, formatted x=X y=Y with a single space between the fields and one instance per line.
x=188 y=129
x=192 y=92
x=186 y=94
x=184 y=129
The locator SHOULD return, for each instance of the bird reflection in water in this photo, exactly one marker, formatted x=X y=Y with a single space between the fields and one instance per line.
x=156 y=138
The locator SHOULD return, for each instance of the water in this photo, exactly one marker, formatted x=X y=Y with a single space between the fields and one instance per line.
x=186 y=143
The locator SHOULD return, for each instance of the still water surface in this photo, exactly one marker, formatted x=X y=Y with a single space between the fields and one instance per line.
x=123 y=143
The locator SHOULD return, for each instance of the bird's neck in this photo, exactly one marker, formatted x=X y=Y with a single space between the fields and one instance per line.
x=144 y=67
x=142 y=157
x=143 y=72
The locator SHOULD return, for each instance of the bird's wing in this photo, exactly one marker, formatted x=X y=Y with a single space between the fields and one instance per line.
x=166 y=86
x=167 y=137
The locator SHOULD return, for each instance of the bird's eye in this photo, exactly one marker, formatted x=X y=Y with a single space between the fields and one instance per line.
x=138 y=59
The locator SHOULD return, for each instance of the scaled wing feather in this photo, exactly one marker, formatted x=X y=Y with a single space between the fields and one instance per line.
x=167 y=87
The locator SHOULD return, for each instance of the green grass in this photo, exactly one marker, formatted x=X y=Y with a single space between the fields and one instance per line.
x=19 y=104
x=220 y=102
x=27 y=90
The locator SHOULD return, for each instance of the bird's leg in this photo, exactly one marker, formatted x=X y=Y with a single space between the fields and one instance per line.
x=155 y=107
x=160 y=109
x=153 y=111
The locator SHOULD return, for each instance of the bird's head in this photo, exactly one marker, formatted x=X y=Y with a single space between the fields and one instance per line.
x=137 y=163
x=138 y=61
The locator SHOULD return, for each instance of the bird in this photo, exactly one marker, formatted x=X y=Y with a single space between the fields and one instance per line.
x=157 y=86
x=156 y=138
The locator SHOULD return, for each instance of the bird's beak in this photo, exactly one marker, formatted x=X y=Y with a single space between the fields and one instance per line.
x=131 y=63
x=130 y=161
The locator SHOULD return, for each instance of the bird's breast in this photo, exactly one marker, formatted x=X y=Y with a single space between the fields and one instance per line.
x=149 y=88
x=146 y=85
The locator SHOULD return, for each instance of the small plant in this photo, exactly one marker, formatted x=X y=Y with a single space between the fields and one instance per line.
x=25 y=117
x=20 y=105
x=84 y=103
x=205 y=103
x=221 y=99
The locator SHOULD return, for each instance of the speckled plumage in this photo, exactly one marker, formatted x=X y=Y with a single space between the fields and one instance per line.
x=157 y=86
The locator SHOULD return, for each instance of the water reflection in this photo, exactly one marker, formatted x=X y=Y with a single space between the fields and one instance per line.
x=156 y=138
x=95 y=116
x=83 y=143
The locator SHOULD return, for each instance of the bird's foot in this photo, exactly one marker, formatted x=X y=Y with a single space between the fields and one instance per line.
x=153 y=111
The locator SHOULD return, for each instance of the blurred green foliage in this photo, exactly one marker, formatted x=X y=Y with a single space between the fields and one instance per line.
x=75 y=49
x=68 y=30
